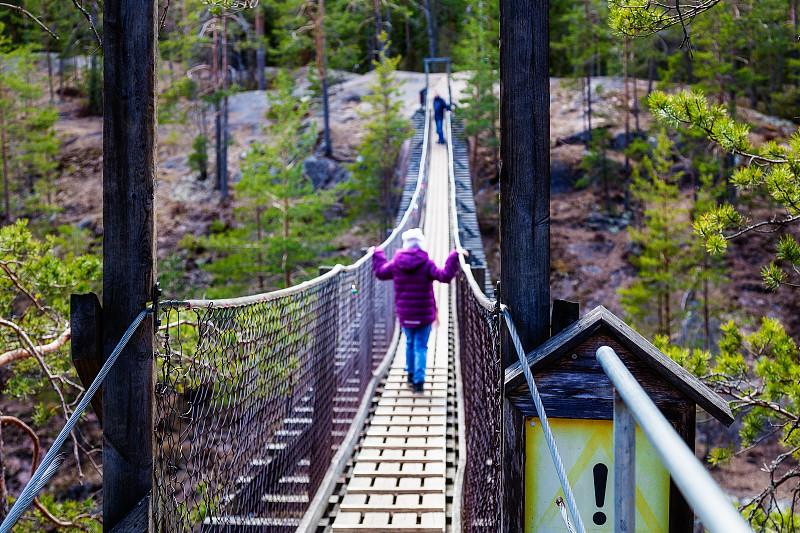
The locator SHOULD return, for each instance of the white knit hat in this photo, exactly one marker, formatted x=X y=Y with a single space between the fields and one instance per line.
x=413 y=238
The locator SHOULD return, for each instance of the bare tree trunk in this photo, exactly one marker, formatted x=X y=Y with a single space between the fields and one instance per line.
x=319 y=37
x=627 y=125
x=407 y=28
x=379 y=43
x=3 y=489
x=706 y=311
x=430 y=18
x=4 y=150
x=287 y=271
x=259 y=254
x=217 y=105
x=635 y=89
x=50 y=71
x=260 y=56
x=224 y=147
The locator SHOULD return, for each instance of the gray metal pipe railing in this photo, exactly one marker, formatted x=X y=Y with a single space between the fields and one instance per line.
x=701 y=492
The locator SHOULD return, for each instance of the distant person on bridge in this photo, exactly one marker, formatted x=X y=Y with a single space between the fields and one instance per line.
x=413 y=273
x=439 y=105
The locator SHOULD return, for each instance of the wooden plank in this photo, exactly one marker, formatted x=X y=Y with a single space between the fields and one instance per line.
x=86 y=343
x=513 y=484
x=319 y=504
x=385 y=469
x=362 y=485
x=601 y=318
x=564 y=314
x=136 y=520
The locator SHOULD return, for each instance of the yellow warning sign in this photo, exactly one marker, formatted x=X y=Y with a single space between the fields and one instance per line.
x=587 y=451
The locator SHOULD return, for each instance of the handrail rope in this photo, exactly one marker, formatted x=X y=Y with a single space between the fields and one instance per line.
x=281 y=293
x=477 y=292
x=548 y=434
x=699 y=489
x=51 y=461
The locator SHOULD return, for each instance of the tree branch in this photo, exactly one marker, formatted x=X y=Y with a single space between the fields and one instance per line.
x=43 y=349
x=32 y=17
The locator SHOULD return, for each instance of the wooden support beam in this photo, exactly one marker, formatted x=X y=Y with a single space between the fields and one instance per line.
x=513 y=475
x=525 y=169
x=129 y=184
x=86 y=323
x=564 y=314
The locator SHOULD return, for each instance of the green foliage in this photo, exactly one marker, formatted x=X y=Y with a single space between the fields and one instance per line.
x=771 y=175
x=662 y=262
x=30 y=142
x=36 y=279
x=78 y=512
x=479 y=55
x=373 y=175
x=198 y=159
x=46 y=271
x=640 y=17
x=283 y=222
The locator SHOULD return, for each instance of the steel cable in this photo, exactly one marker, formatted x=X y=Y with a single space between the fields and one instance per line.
x=50 y=463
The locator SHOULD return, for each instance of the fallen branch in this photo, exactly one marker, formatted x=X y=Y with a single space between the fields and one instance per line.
x=43 y=349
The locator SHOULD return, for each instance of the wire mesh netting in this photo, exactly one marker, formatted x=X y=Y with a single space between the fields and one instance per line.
x=481 y=374
x=255 y=395
x=481 y=381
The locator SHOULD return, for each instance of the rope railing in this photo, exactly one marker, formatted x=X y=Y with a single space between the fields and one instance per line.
x=256 y=396
x=54 y=458
x=478 y=491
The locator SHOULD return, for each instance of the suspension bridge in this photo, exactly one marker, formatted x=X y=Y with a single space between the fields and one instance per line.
x=289 y=411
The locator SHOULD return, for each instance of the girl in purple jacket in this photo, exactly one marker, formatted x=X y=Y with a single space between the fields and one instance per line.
x=413 y=273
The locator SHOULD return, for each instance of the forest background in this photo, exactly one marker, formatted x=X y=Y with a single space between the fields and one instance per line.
x=676 y=209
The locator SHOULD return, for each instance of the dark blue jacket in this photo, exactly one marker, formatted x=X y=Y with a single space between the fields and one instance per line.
x=439 y=105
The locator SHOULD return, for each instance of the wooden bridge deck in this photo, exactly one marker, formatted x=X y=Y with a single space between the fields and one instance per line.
x=399 y=478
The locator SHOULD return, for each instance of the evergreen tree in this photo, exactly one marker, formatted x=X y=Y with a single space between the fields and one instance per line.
x=28 y=144
x=283 y=224
x=660 y=261
x=373 y=177
x=479 y=54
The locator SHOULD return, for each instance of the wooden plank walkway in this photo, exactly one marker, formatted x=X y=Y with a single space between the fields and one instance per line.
x=398 y=481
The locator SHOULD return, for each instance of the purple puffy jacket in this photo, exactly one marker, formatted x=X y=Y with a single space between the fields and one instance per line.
x=413 y=274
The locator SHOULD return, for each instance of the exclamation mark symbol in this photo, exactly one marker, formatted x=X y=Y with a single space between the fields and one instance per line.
x=600 y=472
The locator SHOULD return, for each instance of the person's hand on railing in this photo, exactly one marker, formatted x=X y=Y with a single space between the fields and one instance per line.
x=464 y=252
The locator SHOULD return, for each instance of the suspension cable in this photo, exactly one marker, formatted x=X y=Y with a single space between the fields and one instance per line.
x=53 y=459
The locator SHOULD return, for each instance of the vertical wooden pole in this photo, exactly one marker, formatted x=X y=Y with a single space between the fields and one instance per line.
x=524 y=212
x=129 y=180
x=525 y=169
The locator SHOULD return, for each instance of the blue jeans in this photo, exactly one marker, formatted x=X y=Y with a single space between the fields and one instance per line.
x=439 y=129
x=417 y=351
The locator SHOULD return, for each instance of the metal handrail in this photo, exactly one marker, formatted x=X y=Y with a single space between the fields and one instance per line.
x=289 y=291
x=699 y=489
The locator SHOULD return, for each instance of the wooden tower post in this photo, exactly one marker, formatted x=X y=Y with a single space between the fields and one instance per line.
x=524 y=210
x=129 y=181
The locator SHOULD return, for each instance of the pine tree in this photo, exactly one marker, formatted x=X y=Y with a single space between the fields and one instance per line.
x=28 y=144
x=661 y=261
x=479 y=54
x=283 y=223
x=373 y=177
